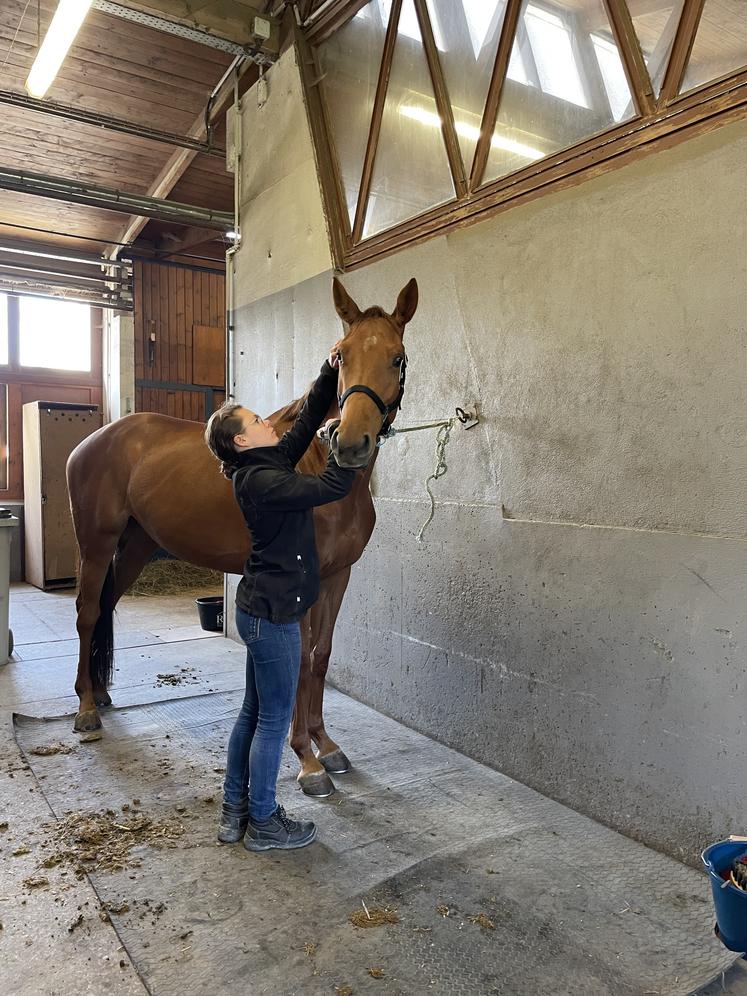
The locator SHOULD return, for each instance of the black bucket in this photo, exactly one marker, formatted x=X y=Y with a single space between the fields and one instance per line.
x=210 y=609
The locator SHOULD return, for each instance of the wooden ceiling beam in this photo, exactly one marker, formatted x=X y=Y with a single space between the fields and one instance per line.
x=193 y=238
x=178 y=163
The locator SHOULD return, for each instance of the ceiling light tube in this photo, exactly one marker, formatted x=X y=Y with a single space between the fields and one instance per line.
x=60 y=35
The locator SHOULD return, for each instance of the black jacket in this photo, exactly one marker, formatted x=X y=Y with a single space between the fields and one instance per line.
x=281 y=577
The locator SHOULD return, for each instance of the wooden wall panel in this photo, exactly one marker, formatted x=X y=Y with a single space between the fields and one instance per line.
x=173 y=300
x=208 y=366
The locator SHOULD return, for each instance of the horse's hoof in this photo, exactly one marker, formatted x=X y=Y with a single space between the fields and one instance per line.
x=319 y=784
x=336 y=762
x=86 y=722
x=102 y=699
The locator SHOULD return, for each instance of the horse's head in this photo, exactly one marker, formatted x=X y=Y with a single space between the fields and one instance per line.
x=372 y=372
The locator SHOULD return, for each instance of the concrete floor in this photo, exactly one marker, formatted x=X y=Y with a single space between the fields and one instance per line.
x=39 y=953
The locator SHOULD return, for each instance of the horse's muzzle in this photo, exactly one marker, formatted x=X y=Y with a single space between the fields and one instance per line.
x=352 y=454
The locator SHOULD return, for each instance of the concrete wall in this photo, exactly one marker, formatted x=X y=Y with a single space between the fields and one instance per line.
x=280 y=208
x=575 y=615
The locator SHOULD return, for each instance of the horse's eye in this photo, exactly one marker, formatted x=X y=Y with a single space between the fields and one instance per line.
x=398 y=361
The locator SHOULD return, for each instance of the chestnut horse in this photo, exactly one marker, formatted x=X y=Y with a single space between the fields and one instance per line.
x=149 y=481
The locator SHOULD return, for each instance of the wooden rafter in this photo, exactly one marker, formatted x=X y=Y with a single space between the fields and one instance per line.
x=443 y=103
x=178 y=163
x=633 y=62
x=500 y=68
x=382 y=85
x=192 y=238
x=681 y=48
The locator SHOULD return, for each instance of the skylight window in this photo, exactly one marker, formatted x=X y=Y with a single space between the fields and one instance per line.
x=613 y=76
x=552 y=48
x=408 y=19
x=482 y=18
x=517 y=70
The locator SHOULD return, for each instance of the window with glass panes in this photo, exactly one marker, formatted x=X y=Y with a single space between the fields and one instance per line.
x=433 y=111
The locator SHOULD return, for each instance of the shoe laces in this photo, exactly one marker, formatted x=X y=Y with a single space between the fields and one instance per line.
x=285 y=820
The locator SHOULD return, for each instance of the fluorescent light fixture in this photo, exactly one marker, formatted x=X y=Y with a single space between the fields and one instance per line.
x=60 y=35
x=467 y=130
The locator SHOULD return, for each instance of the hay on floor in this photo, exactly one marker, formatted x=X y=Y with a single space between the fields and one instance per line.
x=175 y=577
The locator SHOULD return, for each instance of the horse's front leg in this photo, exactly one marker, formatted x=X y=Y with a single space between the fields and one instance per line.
x=312 y=777
x=323 y=619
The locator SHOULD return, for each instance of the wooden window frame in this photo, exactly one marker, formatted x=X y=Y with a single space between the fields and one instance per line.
x=15 y=373
x=15 y=378
x=658 y=123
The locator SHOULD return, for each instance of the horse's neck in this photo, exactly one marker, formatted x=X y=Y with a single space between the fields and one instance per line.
x=365 y=478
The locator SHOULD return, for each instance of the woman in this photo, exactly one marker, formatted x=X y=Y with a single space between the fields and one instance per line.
x=280 y=583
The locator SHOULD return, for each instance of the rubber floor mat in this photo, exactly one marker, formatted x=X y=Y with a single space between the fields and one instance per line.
x=490 y=887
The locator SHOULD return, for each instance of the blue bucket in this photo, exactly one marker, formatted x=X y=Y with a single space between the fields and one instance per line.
x=730 y=902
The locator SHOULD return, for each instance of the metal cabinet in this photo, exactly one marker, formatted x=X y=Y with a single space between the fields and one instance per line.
x=51 y=431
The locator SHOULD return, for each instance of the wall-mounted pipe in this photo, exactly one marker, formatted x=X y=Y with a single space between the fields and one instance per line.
x=30 y=249
x=123 y=202
x=107 y=122
x=231 y=253
x=115 y=304
x=47 y=271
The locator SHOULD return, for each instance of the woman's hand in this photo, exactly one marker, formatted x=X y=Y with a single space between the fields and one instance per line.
x=334 y=359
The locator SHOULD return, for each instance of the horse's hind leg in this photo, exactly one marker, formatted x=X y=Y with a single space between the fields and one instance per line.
x=134 y=550
x=94 y=624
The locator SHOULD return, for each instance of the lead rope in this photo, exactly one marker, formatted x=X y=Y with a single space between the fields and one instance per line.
x=442 y=438
x=443 y=435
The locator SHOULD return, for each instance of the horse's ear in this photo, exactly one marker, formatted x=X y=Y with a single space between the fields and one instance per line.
x=345 y=306
x=407 y=304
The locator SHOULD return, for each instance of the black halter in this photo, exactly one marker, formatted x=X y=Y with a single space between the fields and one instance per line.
x=386 y=410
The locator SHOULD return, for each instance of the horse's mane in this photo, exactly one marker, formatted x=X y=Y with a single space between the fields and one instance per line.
x=291 y=411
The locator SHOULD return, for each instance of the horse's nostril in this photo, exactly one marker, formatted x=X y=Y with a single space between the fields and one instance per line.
x=367 y=441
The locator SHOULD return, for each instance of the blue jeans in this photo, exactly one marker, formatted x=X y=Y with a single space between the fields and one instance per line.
x=255 y=748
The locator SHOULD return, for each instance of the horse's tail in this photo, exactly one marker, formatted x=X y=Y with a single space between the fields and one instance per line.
x=102 y=641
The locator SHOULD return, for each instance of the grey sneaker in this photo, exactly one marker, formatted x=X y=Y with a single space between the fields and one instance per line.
x=233 y=823
x=279 y=831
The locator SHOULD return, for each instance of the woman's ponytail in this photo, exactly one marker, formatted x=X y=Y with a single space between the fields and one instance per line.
x=227 y=468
